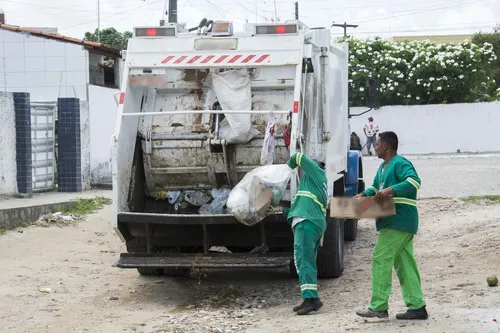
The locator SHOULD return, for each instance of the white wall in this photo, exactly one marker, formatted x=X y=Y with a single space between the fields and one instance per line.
x=437 y=128
x=8 y=166
x=103 y=110
x=45 y=68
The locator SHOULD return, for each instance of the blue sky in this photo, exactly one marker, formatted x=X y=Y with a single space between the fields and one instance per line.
x=375 y=17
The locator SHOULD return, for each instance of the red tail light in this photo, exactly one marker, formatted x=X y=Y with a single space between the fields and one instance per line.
x=155 y=32
x=271 y=29
x=281 y=29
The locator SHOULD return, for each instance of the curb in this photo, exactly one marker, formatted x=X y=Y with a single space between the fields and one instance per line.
x=12 y=218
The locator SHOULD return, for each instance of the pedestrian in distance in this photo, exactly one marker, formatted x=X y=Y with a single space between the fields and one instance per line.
x=307 y=217
x=371 y=130
x=397 y=178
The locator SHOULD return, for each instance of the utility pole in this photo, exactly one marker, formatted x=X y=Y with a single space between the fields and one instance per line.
x=345 y=26
x=275 y=12
x=296 y=10
x=99 y=21
x=172 y=11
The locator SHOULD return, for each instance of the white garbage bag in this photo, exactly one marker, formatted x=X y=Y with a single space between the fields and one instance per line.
x=233 y=90
x=267 y=154
x=260 y=188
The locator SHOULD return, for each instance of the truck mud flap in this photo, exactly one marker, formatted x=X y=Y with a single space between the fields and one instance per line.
x=211 y=260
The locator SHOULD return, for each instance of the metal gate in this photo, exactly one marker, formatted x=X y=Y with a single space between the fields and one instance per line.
x=43 y=145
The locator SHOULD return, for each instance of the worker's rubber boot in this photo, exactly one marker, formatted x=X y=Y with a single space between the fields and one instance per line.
x=301 y=306
x=311 y=304
x=373 y=314
x=419 y=314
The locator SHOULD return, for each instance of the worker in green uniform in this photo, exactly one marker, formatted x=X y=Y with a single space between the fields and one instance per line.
x=307 y=217
x=398 y=178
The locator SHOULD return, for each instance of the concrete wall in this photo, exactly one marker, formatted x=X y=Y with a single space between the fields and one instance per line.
x=103 y=110
x=96 y=72
x=437 y=128
x=45 y=68
x=8 y=166
x=85 y=129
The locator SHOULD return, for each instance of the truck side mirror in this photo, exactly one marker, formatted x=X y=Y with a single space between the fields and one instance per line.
x=371 y=98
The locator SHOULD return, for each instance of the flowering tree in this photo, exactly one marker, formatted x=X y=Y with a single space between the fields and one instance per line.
x=420 y=72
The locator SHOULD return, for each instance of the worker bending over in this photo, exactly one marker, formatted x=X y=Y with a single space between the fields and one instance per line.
x=307 y=217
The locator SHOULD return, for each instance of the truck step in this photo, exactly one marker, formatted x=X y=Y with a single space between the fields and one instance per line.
x=211 y=260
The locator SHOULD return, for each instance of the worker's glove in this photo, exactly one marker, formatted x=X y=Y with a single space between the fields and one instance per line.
x=274 y=210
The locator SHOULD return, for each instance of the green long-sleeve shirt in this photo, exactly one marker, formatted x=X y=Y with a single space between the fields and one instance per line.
x=403 y=178
x=310 y=201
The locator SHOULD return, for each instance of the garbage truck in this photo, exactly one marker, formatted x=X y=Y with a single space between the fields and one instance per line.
x=193 y=109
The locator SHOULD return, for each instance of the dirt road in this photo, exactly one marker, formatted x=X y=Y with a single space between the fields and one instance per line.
x=457 y=248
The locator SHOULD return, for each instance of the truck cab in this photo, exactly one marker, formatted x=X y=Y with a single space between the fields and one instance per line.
x=168 y=142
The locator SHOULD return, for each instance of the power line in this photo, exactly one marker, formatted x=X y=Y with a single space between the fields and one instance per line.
x=225 y=11
x=116 y=14
x=252 y=11
x=345 y=26
x=52 y=7
x=373 y=5
x=425 y=10
x=392 y=31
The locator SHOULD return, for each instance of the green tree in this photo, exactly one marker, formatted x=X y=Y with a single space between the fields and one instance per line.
x=493 y=38
x=110 y=37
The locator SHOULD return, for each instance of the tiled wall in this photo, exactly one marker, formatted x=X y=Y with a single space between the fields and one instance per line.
x=47 y=69
x=69 y=169
x=22 y=108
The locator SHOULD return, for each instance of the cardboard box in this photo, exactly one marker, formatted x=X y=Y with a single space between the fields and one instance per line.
x=361 y=208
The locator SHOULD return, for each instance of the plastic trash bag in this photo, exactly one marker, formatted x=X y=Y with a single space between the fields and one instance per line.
x=267 y=154
x=196 y=198
x=220 y=197
x=205 y=209
x=245 y=201
x=173 y=196
x=233 y=90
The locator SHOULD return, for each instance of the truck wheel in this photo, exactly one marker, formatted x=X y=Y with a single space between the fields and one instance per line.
x=293 y=269
x=351 y=225
x=175 y=271
x=350 y=230
x=330 y=259
x=147 y=271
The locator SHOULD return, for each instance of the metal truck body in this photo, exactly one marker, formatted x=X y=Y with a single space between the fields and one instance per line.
x=167 y=139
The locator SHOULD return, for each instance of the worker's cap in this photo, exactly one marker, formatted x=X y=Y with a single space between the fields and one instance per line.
x=370 y=119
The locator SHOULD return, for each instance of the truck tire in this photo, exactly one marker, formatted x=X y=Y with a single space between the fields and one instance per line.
x=351 y=225
x=175 y=271
x=147 y=271
x=293 y=269
x=330 y=259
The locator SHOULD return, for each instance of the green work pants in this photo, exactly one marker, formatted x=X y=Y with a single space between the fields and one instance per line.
x=395 y=248
x=306 y=241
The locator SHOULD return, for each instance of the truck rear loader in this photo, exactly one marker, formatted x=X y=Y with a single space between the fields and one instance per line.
x=168 y=142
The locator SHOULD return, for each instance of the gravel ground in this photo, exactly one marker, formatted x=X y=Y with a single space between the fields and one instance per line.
x=63 y=279
x=447 y=176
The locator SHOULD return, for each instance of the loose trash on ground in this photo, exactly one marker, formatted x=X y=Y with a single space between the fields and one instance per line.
x=45 y=290
x=56 y=219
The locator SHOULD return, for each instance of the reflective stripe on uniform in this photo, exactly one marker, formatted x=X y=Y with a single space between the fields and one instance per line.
x=311 y=196
x=295 y=262
x=405 y=201
x=298 y=158
x=309 y=287
x=413 y=182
